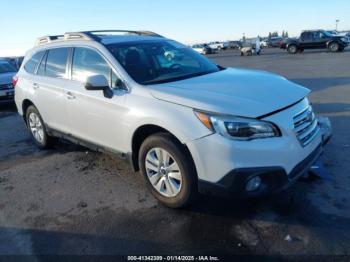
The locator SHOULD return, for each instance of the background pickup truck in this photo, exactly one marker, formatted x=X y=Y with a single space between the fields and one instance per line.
x=316 y=39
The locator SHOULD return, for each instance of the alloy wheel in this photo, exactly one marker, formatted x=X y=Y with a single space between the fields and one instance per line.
x=36 y=127
x=163 y=172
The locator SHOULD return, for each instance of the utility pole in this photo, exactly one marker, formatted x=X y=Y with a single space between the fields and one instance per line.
x=336 y=24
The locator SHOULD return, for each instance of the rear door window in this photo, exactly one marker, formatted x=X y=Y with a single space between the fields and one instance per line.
x=33 y=62
x=56 y=62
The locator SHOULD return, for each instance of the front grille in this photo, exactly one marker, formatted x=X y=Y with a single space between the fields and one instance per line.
x=6 y=86
x=306 y=126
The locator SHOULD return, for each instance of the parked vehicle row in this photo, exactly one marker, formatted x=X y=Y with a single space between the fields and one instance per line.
x=204 y=49
x=186 y=123
x=213 y=47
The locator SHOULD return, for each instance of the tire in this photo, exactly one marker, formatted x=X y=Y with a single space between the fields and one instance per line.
x=292 y=49
x=37 y=129
x=173 y=189
x=334 y=47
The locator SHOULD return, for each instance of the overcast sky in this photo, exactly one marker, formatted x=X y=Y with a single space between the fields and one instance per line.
x=188 y=21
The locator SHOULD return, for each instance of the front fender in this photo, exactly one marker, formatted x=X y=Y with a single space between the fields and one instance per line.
x=179 y=120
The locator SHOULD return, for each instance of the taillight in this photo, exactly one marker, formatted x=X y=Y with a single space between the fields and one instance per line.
x=14 y=81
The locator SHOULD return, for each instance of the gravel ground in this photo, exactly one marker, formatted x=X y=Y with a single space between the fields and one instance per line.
x=70 y=200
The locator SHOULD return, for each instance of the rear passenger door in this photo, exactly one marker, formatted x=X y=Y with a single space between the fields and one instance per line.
x=307 y=40
x=93 y=117
x=49 y=86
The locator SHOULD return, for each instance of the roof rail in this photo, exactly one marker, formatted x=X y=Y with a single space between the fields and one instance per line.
x=98 y=33
x=48 y=39
x=67 y=36
x=77 y=35
x=90 y=35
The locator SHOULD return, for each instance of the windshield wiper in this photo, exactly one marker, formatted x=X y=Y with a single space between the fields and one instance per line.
x=178 y=78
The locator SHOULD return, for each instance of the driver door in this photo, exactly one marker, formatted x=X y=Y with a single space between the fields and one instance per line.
x=93 y=117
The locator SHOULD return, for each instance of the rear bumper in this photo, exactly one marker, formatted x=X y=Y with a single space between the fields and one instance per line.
x=7 y=99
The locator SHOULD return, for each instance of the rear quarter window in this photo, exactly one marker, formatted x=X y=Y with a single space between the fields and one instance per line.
x=32 y=64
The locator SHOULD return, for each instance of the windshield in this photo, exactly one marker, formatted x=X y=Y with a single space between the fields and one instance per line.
x=5 y=67
x=155 y=62
x=330 y=33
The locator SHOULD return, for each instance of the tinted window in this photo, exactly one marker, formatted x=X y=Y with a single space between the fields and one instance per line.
x=56 y=62
x=87 y=62
x=33 y=62
x=307 y=36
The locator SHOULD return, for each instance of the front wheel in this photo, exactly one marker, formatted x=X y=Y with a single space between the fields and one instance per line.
x=37 y=129
x=169 y=172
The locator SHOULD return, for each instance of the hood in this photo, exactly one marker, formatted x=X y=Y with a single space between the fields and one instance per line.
x=232 y=91
x=6 y=78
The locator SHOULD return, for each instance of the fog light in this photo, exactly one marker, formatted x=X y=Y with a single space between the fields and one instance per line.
x=253 y=184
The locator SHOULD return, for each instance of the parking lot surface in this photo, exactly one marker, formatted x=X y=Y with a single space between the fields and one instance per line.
x=70 y=200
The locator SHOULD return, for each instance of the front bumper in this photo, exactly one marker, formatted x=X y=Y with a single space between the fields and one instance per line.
x=225 y=166
x=274 y=179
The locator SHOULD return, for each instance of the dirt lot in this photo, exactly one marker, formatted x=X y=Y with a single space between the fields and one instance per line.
x=73 y=201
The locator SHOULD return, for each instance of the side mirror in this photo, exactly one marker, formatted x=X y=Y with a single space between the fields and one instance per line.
x=99 y=82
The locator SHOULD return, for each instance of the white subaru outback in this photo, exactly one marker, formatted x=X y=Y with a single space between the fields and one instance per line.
x=186 y=123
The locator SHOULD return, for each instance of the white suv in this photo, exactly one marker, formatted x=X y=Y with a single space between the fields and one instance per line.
x=218 y=45
x=187 y=124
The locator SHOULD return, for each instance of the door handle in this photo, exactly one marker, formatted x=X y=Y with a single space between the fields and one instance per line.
x=70 y=96
x=35 y=86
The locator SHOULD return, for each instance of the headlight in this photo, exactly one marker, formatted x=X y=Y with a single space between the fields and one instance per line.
x=344 y=39
x=238 y=128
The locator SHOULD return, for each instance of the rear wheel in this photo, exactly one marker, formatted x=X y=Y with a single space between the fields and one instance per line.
x=292 y=49
x=168 y=170
x=334 y=47
x=37 y=129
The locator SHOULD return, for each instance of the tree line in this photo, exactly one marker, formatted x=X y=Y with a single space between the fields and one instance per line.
x=276 y=34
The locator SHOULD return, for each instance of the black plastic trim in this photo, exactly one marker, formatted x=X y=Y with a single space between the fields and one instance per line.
x=90 y=145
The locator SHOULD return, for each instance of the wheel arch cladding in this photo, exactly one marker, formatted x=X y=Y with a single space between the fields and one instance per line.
x=25 y=105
